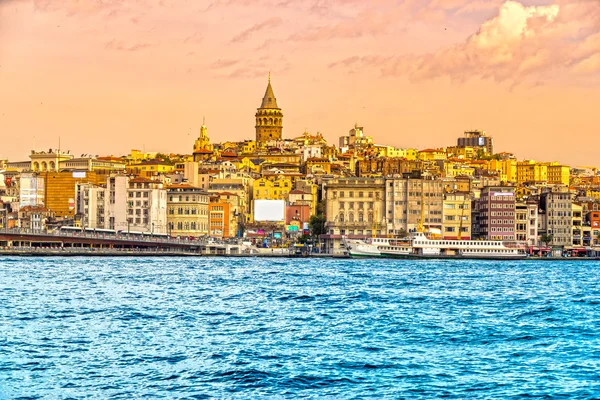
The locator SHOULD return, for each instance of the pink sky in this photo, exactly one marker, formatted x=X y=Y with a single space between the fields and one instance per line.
x=107 y=76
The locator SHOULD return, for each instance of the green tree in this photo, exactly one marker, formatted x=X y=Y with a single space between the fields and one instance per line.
x=317 y=224
x=546 y=238
x=164 y=157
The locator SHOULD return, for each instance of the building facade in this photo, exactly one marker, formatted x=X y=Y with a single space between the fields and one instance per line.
x=355 y=206
x=556 y=204
x=187 y=211
x=496 y=213
x=456 y=216
x=413 y=204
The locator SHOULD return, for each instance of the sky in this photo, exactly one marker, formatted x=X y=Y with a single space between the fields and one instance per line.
x=107 y=76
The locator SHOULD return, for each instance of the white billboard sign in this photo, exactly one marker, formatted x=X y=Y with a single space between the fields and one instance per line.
x=269 y=210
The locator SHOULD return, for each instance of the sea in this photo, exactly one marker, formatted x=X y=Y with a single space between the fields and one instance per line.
x=250 y=328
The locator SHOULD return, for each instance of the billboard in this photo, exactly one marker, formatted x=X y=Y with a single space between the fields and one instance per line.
x=269 y=210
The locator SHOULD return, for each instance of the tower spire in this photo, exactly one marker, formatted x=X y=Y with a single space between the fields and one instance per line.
x=269 y=76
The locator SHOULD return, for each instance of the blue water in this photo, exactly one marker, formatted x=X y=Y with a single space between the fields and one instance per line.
x=258 y=328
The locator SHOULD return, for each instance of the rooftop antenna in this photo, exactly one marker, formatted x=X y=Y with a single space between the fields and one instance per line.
x=269 y=76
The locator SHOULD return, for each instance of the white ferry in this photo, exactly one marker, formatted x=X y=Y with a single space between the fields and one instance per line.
x=376 y=247
x=420 y=246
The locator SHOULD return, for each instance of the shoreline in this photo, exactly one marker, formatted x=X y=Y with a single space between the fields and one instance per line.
x=138 y=253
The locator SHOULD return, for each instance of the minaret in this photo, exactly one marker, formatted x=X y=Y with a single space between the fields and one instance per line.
x=269 y=119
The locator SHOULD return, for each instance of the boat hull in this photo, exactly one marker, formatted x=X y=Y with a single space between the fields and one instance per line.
x=453 y=257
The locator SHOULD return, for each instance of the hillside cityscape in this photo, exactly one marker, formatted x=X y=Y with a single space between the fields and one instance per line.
x=274 y=191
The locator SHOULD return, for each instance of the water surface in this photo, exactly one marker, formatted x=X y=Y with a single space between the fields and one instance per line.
x=298 y=328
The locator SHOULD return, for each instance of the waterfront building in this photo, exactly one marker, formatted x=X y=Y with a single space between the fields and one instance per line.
x=187 y=211
x=31 y=190
x=526 y=222
x=594 y=223
x=556 y=211
x=269 y=118
x=241 y=187
x=496 y=214
x=355 y=206
x=34 y=218
x=456 y=216
x=577 y=224
x=266 y=189
x=60 y=189
x=122 y=203
x=147 y=206
x=413 y=204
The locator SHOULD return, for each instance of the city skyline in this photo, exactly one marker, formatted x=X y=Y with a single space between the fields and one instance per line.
x=112 y=76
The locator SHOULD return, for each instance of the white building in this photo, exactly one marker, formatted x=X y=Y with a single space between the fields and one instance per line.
x=413 y=204
x=31 y=190
x=124 y=204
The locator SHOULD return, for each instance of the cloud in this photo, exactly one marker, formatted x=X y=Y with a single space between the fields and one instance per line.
x=223 y=63
x=520 y=41
x=120 y=46
x=194 y=38
x=272 y=22
x=363 y=24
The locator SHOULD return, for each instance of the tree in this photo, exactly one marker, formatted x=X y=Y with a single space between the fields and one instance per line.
x=317 y=224
x=546 y=238
x=402 y=233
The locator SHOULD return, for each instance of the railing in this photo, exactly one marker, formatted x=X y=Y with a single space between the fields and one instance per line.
x=120 y=237
x=78 y=250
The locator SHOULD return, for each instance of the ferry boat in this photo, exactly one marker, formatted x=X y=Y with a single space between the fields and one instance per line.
x=420 y=246
x=377 y=247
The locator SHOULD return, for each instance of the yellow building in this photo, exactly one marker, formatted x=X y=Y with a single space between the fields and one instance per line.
x=59 y=191
x=187 y=211
x=329 y=152
x=432 y=155
x=307 y=186
x=265 y=189
x=149 y=169
x=506 y=168
x=461 y=152
x=456 y=222
x=452 y=169
x=318 y=166
x=247 y=147
x=245 y=164
x=531 y=171
x=559 y=174
x=136 y=156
